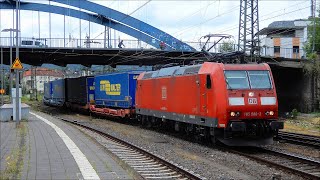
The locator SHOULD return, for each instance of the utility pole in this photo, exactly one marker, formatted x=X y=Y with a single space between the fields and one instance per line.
x=32 y=83
x=2 y=76
x=10 y=74
x=17 y=71
x=313 y=78
x=313 y=13
x=248 y=41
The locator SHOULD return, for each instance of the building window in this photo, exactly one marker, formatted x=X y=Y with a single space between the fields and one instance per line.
x=277 y=49
x=295 y=49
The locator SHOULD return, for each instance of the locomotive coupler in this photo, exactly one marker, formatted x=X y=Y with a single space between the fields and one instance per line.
x=276 y=125
x=238 y=126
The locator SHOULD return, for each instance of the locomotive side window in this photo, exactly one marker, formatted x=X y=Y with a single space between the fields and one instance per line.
x=259 y=79
x=237 y=80
x=208 y=81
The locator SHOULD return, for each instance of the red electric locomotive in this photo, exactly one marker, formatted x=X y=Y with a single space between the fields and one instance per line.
x=234 y=103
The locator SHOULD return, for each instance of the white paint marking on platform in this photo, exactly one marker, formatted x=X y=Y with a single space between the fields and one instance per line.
x=84 y=165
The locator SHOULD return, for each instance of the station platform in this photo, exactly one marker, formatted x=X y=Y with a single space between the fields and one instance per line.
x=46 y=148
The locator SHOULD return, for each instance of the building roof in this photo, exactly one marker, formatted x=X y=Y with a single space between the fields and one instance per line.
x=279 y=26
x=44 y=72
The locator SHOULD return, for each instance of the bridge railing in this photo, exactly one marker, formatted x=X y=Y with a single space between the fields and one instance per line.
x=102 y=43
x=74 y=43
x=136 y=44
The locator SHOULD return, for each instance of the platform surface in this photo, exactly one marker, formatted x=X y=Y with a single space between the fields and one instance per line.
x=37 y=151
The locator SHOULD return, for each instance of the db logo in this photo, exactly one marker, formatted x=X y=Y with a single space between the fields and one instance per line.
x=252 y=101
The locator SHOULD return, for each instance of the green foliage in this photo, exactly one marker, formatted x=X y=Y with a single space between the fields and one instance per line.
x=313 y=66
x=6 y=83
x=313 y=37
x=226 y=46
x=294 y=113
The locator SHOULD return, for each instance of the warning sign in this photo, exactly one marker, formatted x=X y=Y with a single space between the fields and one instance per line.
x=17 y=64
x=2 y=91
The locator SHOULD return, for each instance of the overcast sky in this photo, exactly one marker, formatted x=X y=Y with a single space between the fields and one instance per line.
x=186 y=20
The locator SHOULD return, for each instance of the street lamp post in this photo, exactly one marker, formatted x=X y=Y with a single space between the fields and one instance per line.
x=11 y=30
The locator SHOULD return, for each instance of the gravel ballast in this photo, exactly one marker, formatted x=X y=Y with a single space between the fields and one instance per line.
x=209 y=162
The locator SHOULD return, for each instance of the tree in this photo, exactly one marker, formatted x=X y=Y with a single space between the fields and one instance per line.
x=313 y=68
x=226 y=46
x=6 y=83
x=313 y=38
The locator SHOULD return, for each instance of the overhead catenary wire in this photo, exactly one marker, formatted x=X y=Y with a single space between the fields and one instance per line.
x=236 y=26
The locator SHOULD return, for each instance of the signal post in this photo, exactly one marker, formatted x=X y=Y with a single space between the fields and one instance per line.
x=16 y=93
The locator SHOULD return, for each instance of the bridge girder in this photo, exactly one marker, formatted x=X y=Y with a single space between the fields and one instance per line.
x=85 y=16
x=154 y=32
x=128 y=25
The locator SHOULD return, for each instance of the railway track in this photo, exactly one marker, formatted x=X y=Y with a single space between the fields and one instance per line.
x=302 y=139
x=146 y=164
x=298 y=165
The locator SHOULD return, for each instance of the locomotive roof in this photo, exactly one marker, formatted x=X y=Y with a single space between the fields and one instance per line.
x=194 y=69
x=173 y=71
x=261 y=66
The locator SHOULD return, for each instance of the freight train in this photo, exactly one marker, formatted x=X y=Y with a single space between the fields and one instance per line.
x=235 y=104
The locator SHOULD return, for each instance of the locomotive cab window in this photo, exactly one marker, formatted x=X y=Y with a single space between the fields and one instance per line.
x=248 y=80
x=259 y=79
x=237 y=80
x=208 y=83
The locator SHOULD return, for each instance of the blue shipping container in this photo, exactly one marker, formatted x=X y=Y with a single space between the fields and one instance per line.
x=90 y=87
x=47 y=97
x=116 y=90
x=47 y=90
x=58 y=92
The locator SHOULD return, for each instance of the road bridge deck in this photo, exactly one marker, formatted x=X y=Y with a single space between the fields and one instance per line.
x=118 y=56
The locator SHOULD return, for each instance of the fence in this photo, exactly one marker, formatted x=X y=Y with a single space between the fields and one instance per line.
x=136 y=44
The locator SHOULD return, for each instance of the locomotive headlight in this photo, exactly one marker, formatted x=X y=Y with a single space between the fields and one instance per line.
x=271 y=113
x=234 y=114
x=251 y=94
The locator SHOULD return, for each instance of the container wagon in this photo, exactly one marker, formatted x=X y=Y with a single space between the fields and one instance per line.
x=115 y=94
x=79 y=92
x=47 y=93
x=58 y=93
x=236 y=104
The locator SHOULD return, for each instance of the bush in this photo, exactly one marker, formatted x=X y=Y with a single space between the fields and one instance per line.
x=294 y=113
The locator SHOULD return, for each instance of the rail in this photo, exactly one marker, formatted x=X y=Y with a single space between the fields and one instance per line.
x=148 y=165
x=303 y=139
x=301 y=166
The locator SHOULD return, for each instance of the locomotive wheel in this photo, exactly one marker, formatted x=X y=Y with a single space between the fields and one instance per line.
x=143 y=121
x=213 y=140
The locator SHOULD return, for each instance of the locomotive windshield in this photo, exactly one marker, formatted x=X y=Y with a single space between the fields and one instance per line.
x=237 y=79
x=259 y=79
x=248 y=80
